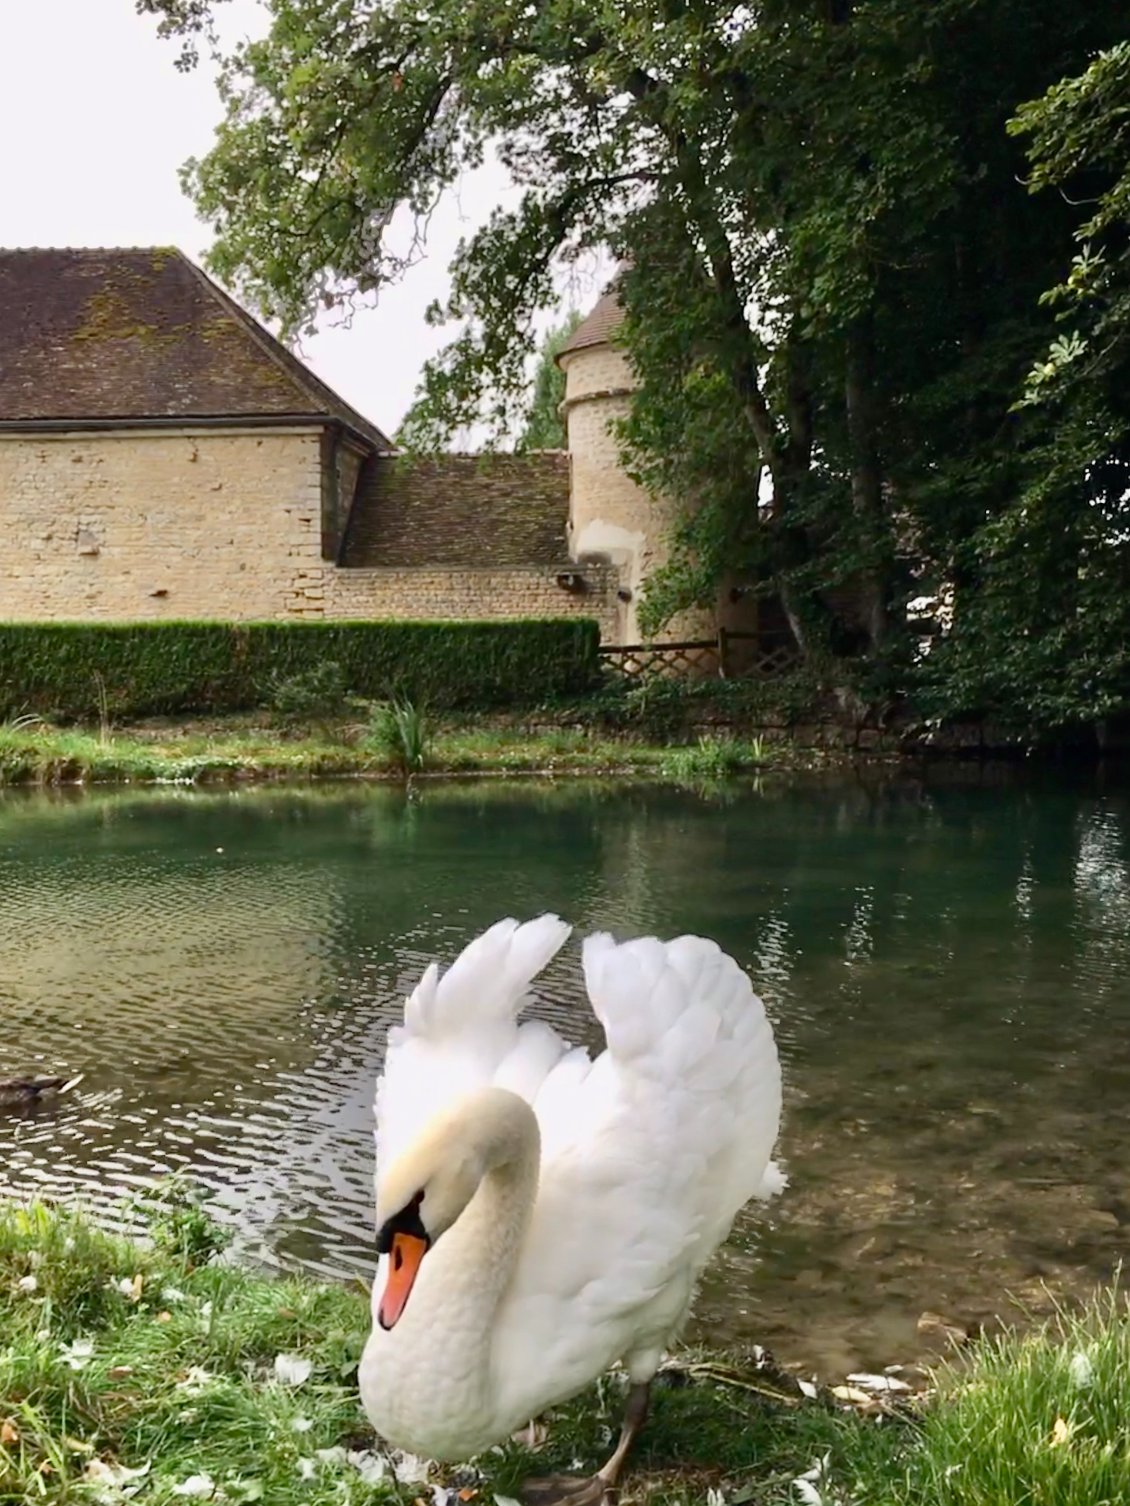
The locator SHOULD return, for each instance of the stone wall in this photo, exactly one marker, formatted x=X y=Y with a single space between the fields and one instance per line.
x=461 y=510
x=143 y=524
x=438 y=592
x=138 y=524
x=341 y=468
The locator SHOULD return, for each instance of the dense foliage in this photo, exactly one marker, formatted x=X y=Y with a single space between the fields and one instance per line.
x=72 y=670
x=842 y=298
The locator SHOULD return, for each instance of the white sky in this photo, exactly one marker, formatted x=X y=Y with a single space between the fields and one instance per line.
x=94 y=124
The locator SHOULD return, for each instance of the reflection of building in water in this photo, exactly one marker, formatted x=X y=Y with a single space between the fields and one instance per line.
x=156 y=954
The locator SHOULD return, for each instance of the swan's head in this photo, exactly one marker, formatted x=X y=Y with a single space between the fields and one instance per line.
x=427 y=1188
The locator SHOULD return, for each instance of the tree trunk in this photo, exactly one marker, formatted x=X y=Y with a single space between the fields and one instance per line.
x=867 y=477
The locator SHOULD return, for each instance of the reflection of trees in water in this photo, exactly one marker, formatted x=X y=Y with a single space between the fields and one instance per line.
x=1102 y=893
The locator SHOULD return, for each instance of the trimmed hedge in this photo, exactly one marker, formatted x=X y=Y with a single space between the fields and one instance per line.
x=59 y=669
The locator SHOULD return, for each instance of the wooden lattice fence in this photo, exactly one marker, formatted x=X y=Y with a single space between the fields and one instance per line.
x=730 y=656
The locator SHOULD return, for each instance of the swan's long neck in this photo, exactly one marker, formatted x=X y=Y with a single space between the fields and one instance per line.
x=478 y=1254
x=450 y=1315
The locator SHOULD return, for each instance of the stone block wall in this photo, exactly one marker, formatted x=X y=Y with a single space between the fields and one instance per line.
x=130 y=525
x=342 y=461
x=145 y=524
x=492 y=591
x=460 y=510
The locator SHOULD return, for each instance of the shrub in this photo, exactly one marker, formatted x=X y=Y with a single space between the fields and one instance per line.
x=399 y=731
x=313 y=695
x=713 y=758
x=56 y=669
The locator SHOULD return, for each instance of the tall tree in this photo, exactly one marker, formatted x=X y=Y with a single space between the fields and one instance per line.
x=1046 y=639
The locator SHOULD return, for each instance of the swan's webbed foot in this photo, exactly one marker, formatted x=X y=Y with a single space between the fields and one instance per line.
x=598 y=1489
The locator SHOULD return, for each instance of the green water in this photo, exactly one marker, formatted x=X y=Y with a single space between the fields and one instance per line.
x=947 y=967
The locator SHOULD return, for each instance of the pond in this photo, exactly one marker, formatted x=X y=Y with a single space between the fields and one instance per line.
x=947 y=965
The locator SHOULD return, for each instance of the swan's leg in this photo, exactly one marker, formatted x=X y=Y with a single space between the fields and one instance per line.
x=593 y=1490
x=532 y=1436
x=635 y=1415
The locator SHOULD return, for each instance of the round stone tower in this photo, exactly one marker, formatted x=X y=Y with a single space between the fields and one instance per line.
x=610 y=517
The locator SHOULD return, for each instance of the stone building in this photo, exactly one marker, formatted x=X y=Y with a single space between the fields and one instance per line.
x=162 y=455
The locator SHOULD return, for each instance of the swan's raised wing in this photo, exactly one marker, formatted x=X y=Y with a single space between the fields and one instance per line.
x=460 y=1032
x=648 y=1154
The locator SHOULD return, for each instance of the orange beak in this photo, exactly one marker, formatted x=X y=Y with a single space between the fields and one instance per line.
x=403 y=1267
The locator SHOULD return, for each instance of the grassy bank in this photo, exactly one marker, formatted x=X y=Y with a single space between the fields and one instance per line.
x=162 y=1375
x=242 y=748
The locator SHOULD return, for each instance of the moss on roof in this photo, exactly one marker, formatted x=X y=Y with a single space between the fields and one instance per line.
x=143 y=334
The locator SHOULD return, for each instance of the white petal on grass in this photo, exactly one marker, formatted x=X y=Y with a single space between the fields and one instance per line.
x=292 y=1369
x=818 y=1471
x=808 y=1493
x=371 y=1467
x=335 y=1456
x=77 y=1353
x=878 y=1382
x=715 y=1497
x=410 y=1468
x=111 y=1482
x=807 y=1388
x=853 y=1394
x=113 y=1474
x=197 y=1380
x=200 y=1487
x=300 y=1424
x=1081 y=1370
x=171 y=1294
x=28 y=1283
x=307 y=1469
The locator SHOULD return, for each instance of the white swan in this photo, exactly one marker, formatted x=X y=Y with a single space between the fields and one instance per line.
x=542 y=1215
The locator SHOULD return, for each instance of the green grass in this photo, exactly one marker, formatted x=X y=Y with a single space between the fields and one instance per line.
x=163 y=1358
x=1042 y=1418
x=396 y=742
x=713 y=758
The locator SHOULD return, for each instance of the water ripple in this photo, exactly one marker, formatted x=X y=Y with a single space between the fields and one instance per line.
x=949 y=975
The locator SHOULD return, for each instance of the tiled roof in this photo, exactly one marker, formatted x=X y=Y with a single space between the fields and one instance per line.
x=103 y=335
x=596 y=327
